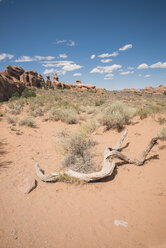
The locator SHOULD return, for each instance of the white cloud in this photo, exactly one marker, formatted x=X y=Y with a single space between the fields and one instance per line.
x=59 y=72
x=153 y=66
x=105 y=69
x=65 y=65
x=93 y=56
x=63 y=56
x=139 y=75
x=6 y=56
x=61 y=41
x=71 y=67
x=107 y=55
x=57 y=63
x=147 y=76
x=130 y=68
x=106 y=60
x=47 y=71
x=77 y=74
x=24 y=59
x=44 y=58
x=158 y=65
x=109 y=76
x=126 y=72
x=71 y=43
x=35 y=58
x=143 y=66
x=126 y=47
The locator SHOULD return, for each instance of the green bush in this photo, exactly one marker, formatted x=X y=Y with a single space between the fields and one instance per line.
x=99 y=103
x=14 y=97
x=28 y=93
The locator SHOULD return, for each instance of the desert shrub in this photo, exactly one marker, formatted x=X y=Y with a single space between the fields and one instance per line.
x=91 y=110
x=164 y=93
x=37 y=112
x=99 y=103
x=28 y=93
x=143 y=112
x=26 y=121
x=162 y=132
x=88 y=127
x=11 y=119
x=76 y=151
x=116 y=116
x=16 y=106
x=68 y=116
x=161 y=120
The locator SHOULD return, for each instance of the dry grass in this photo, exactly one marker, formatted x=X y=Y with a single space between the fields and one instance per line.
x=75 y=148
x=162 y=132
x=26 y=121
x=116 y=116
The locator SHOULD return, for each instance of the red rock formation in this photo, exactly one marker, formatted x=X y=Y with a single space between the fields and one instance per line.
x=78 y=81
x=10 y=82
x=31 y=79
x=48 y=81
x=99 y=91
x=132 y=90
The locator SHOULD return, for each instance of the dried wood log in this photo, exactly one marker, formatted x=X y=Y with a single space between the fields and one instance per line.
x=108 y=165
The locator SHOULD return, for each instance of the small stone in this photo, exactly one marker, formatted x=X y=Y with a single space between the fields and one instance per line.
x=27 y=185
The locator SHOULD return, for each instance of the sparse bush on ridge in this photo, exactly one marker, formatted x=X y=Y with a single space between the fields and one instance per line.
x=26 y=121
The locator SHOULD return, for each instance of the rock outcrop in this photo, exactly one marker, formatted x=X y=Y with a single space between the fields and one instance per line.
x=15 y=79
x=10 y=82
x=31 y=79
x=158 y=90
x=132 y=90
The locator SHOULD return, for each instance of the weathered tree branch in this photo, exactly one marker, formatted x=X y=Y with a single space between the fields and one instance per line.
x=108 y=166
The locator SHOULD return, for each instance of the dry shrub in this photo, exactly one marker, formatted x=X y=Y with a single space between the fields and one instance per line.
x=11 y=119
x=37 y=112
x=16 y=106
x=116 y=116
x=161 y=120
x=76 y=151
x=26 y=121
x=145 y=111
x=162 y=132
x=68 y=116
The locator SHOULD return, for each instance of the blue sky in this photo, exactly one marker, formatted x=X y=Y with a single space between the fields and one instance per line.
x=113 y=44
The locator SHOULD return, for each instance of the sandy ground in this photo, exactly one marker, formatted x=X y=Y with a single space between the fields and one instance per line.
x=63 y=215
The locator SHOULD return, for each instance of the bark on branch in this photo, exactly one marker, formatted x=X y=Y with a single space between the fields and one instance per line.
x=108 y=165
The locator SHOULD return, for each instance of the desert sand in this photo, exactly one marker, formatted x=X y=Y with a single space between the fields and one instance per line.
x=67 y=215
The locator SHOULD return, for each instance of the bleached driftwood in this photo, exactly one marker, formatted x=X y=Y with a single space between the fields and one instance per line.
x=108 y=165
